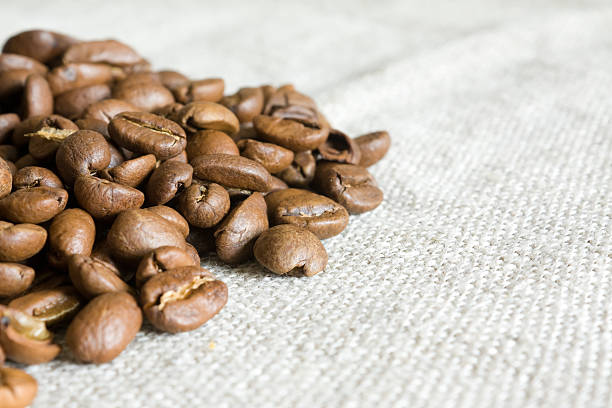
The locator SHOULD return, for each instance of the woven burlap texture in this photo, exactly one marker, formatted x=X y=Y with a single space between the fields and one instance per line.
x=485 y=277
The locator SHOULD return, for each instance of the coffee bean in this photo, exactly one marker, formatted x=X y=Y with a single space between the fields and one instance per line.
x=75 y=75
x=135 y=233
x=167 y=180
x=107 y=109
x=232 y=171
x=160 y=260
x=6 y=178
x=73 y=103
x=301 y=171
x=210 y=142
x=204 y=204
x=47 y=135
x=104 y=328
x=147 y=97
x=287 y=248
x=131 y=172
x=202 y=240
x=17 y=389
x=172 y=216
x=9 y=62
x=8 y=121
x=14 y=278
x=278 y=184
x=96 y=125
x=287 y=103
x=172 y=79
x=20 y=242
x=235 y=236
x=273 y=157
x=203 y=115
x=82 y=153
x=179 y=158
x=25 y=339
x=109 y=52
x=50 y=306
x=92 y=277
x=33 y=176
x=246 y=103
x=37 y=97
x=340 y=148
x=43 y=46
x=193 y=253
x=116 y=154
x=210 y=89
x=373 y=147
x=104 y=199
x=182 y=299
x=71 y=232
x=8 y=153
x=147 y=133
x=169 y=111
x=12 y=83
x=292 y=134
x=33 y=205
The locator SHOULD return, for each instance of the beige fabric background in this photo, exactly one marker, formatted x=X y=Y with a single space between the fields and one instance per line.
x=485 y=277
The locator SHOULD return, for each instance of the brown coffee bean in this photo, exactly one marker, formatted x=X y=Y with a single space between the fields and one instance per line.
x=131 y=172
x=93 y=277
x=33 y=205
x=169 y=179
x=273 y=157
x=350 y=185
x=340 y=148
x=292 y=134
x=104 y=199
x=75 y=75
x=6 y=178
x=147 y=133
x=8 y=122
x=182 y=299
x=33 y=176
x=41 y=45
x=147 y=97
x=37 y=97
x=107 y=109
x=232 y=171
x=301 y=171
x=210 y=89
x=82 y=153
x=247 y=131
x=116 y=154
x=47 y=135
x=373 y=147
x=246 y=103
x=160 y=260
x=202 y=240
x=14 y=278
x=9 y=153
x=25 y=126
x=210 y=142
x=96 y=125
x=25 y=339
x=50 y=306
x=179 y=158
x=73 y=103
x=286 y=248
x=135 y=233
x=13 y=82
x=9 y=62
x=20 y=242
x=173 y=217
x=109 y=52
x=203 y=115
x=172 y=79
x=71 y=232
x=104 y=328
x=278 y=184
x=17 y=389
x=204 y=204
x=316 y=213
x=193 y=253
x=287 y=103
x=235 y=236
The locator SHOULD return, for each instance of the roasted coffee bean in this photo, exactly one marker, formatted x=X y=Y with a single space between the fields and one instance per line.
x=82 y=153
x=48 y=134
x=24 y=338
x=147 y=133
x=116 y=156
x=147 y=97
x=20 y=242
x=247 y=131
x=167 y=180
x=75 y=75
x=160 y=260
x=73 y=103
x=50 y=306
x=246 y=103
x=204 y=204
x=14 y=278
x=301 y=171
x=9 y=153
x=6 y=178
x=278 y=184
x=17 y=388
x=22 y=128
x=179 y=158
x=350 y=185
x=43 y=46
x=13 y=82
x=204 y=115
x=235 y=236
x=139 y=78
x=287 y=103
x=193 y=253
x=182 y=299
x=373 y=147
x=96 y=125
x=37 y=97
x=232 y=171
x=109 y=52
x=33 y=176
x=292 y=134
x=339 y=147
x=210 y=142
x=172 y=79
x=210 y=89
x=131 y=172
x=8 y=122
x=286 y=248
x=104 y=199
x=107 y=109
x=9 y=62
x=104 y=328
x=71 y=232
x=93 y=277
x=135 y=233
x=172 y=216
x=316 y=213
x=33 y=205
x=273 y=157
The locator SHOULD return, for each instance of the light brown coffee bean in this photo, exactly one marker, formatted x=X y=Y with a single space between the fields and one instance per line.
x=9 y=62
x=111 y=52
x=96 y=125
x=47 y=136
x=14 y=278
x=203 y=115
x=33 y=205
x=288 y=103
x=373 y=147
x=104 y=199
x=246 y=103
x=33 y=176
x=71 y=232
x=210 y=142
x=105 y=110
x=169 y=179
x=232 y=171
x=42 y=45
x=210 y=89
x=82 y=153
x=160 y=260
x=75 y=75
x=17 y=389
x=172 y=79
x=278 y=184
x=146 y=97
x=204 y=204
x=301 y=171
x=73 y=103
x=339 y=147
x=131 y=172
x=273 y=157
x=50 y=306
x=93 y=277
x=292 y=134
x=172 y=216
x=20 y=242
x=12 y=83
x=37 y=98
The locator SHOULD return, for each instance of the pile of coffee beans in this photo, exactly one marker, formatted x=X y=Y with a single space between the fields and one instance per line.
x=115 y=179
